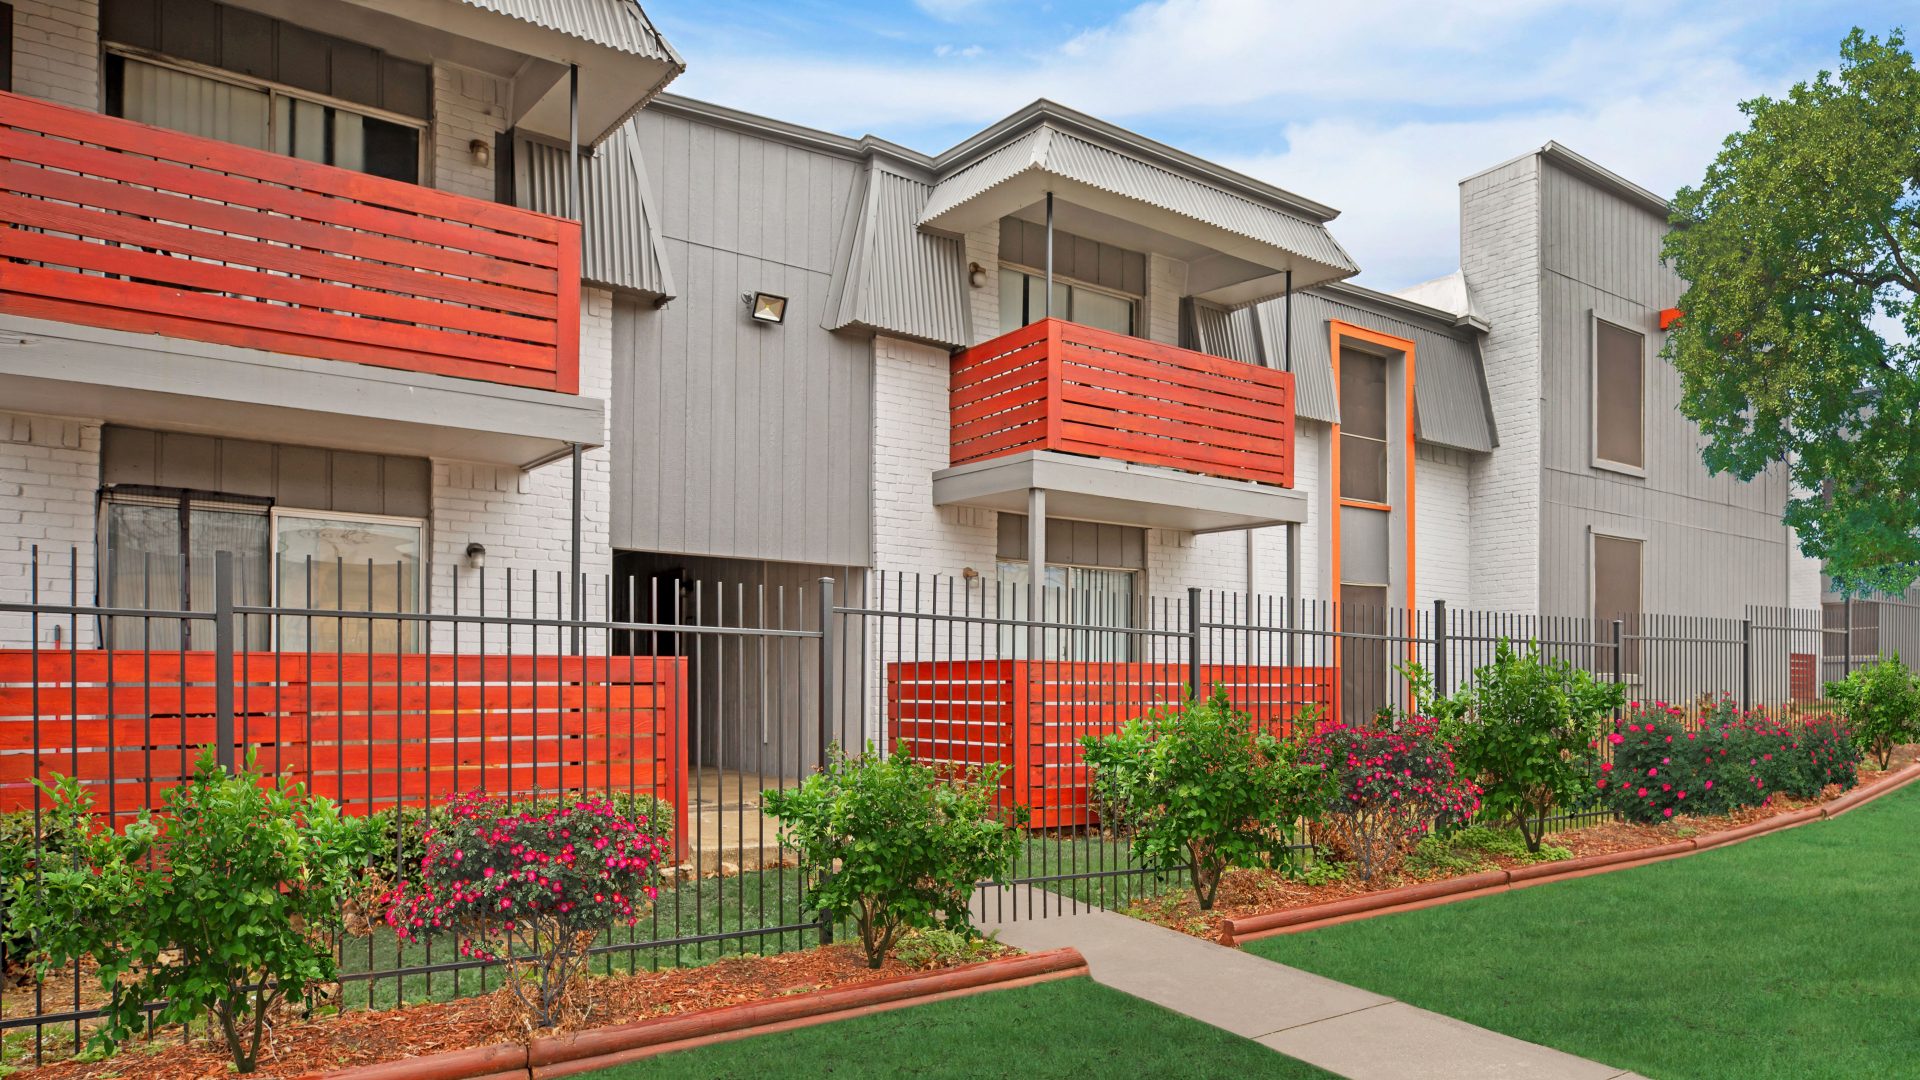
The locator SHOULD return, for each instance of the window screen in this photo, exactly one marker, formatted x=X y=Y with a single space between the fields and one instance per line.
x=1619 y=386
x=1363 y=427
x=1616 y=591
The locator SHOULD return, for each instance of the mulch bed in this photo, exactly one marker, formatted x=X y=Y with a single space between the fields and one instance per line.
x=1258 y=891
x=362 y=1038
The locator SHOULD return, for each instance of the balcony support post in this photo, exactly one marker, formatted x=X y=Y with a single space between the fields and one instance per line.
x=578 y=581
x=1048 y=303
x=1286 y=333
x=1036 y=570
x=573 y=142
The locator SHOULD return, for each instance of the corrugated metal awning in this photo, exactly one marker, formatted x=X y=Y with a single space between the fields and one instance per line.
x=616 y=24
x=1263 y=235
x=892 y=277
x=621 y=245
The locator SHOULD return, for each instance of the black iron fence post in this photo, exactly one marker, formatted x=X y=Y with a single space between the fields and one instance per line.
x=1619 y=637
x=1440 y=686
x=1846 y=654
x=1193 y=644
x=223 y=658
x=826 y=668
x=1746 y=663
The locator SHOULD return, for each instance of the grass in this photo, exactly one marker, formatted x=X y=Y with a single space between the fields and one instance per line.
x=1788 y=956
x=1067 y=1028
x=718 y=906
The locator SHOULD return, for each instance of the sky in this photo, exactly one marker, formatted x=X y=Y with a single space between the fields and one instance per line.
x=1376 y=107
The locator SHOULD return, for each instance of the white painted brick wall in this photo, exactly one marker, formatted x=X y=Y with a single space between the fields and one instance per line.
x=1500 y=252
x=1443 y=527
x=1166 y=284
x=524 y=519
x=983 y=248
x=910 y=434
x=56 y=50
x=49 y=472
x=467 y=105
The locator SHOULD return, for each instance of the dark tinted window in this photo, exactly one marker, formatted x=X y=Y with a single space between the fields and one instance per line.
x=1619 y=386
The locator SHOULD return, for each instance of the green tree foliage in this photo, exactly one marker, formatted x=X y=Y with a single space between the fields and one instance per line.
x=894 y=845
x=219 y=907
x=1203 y=786
x=1799 y=246
x=1882 y=706
x=1527 y=729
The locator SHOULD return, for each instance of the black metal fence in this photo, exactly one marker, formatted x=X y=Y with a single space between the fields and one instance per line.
x=703 y=695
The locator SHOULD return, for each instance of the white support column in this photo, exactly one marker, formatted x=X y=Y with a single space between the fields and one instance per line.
x=1036 y=567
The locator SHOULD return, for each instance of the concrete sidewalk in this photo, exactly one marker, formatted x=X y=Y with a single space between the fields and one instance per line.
x=1343 y=1029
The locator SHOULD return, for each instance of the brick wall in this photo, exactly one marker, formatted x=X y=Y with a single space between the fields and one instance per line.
x=467 y=105
x=983 y=247
x=1500 y=252
x=49 y=471
x=56 y=50
x=1443 y=527
x=910 y=444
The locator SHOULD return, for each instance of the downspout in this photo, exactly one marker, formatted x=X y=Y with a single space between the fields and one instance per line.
x=1048 y=303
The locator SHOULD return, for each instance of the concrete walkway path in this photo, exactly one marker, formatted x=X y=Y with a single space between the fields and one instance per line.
x=1341 y=1028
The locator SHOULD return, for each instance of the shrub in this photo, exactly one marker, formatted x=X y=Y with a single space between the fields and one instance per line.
x=1389 y=787
x=221 y=906
x=529 y=886
x=1200 y=786
x=893 y=845
x=1662 y=766
x=937 y=947
x=1825 y=752
x=1475 y=848
x=1882 y=705
x=1526 y=730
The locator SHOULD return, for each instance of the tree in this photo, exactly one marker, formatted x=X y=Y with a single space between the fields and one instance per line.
x=1800 y=340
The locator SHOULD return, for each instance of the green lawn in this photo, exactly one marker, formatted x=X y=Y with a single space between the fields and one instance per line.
x=1069 y=1028
x=1793 y=955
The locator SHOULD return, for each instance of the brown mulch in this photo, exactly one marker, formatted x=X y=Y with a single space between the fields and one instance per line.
x=361 y=1038
x=1245 y=892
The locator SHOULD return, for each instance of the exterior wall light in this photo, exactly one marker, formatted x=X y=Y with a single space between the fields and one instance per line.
x=976 y=275
x=476 y=556
x=766 y=307
x=482 y=152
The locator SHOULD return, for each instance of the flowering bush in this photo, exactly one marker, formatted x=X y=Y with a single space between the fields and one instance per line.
x=1663 y=766
x=1389 y=788
x=1202 y=786
x=894 y=844
x=530 y=886
x=1882 y=706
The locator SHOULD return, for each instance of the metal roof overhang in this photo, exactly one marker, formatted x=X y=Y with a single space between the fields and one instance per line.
x=1117 y=492
x=173 y=384
x=623 y=61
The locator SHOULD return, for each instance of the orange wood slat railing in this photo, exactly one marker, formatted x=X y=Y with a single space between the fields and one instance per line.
x=1031 y=716
x=368 y=731
x=116 y=224
x=1056 y=385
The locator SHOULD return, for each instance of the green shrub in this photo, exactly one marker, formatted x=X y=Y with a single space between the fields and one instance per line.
x=1476 y=848
x=1882 y=705
x=221 y=906
x=1663 y=766
x=937 y=947
x=1527 y=730
x=1389 y=787
x=1201 y=786
x=893 y=845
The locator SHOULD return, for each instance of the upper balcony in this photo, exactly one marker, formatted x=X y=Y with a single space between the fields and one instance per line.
x=123 y=226
x=1120 y=429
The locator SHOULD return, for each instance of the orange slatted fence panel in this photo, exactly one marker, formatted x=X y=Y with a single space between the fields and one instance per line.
x=126 y=226
x=370 y=732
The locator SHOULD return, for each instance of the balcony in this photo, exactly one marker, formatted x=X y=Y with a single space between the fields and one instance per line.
x=1120 y=429
x=126 y=227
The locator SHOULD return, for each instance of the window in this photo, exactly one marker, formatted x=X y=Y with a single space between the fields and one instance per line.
x=1617 y=581
x=1093 y=578
x=1370 y=500
x=159 y=553
x=1363 y=427
x=262 y=116
x=6 y=54
x=1023 y=300
x=1619 y=397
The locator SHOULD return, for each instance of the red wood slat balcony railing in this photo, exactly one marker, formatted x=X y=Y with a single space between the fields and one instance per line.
x=121 y=225
x=1056 y=385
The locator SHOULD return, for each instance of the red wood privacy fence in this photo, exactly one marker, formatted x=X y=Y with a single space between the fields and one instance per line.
x=131 y=227
x=370 y=732
x=1056 y=385
x=1030 y=716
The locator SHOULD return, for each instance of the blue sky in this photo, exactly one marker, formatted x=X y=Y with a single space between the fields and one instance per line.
x=1377 y=107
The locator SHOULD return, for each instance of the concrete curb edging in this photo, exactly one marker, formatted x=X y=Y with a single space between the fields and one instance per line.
x=1292 y=921
x=600 y=1048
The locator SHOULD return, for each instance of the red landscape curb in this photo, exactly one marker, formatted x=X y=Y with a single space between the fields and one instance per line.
x=1235 y=932
x=602 y=1047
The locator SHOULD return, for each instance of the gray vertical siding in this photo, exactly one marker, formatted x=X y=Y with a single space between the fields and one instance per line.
x=1713 y=544
x=732 y=438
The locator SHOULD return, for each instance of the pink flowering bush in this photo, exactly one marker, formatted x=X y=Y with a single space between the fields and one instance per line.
x=531 y=887
x=1390 y=787
x=1663 y=766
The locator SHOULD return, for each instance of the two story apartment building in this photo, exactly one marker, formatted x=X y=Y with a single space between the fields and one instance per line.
x=317 y=284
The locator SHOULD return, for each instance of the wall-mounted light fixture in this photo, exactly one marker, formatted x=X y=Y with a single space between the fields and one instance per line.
x=482 y=152
x=766 y=307
x=977 y=275
x=476 y=557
